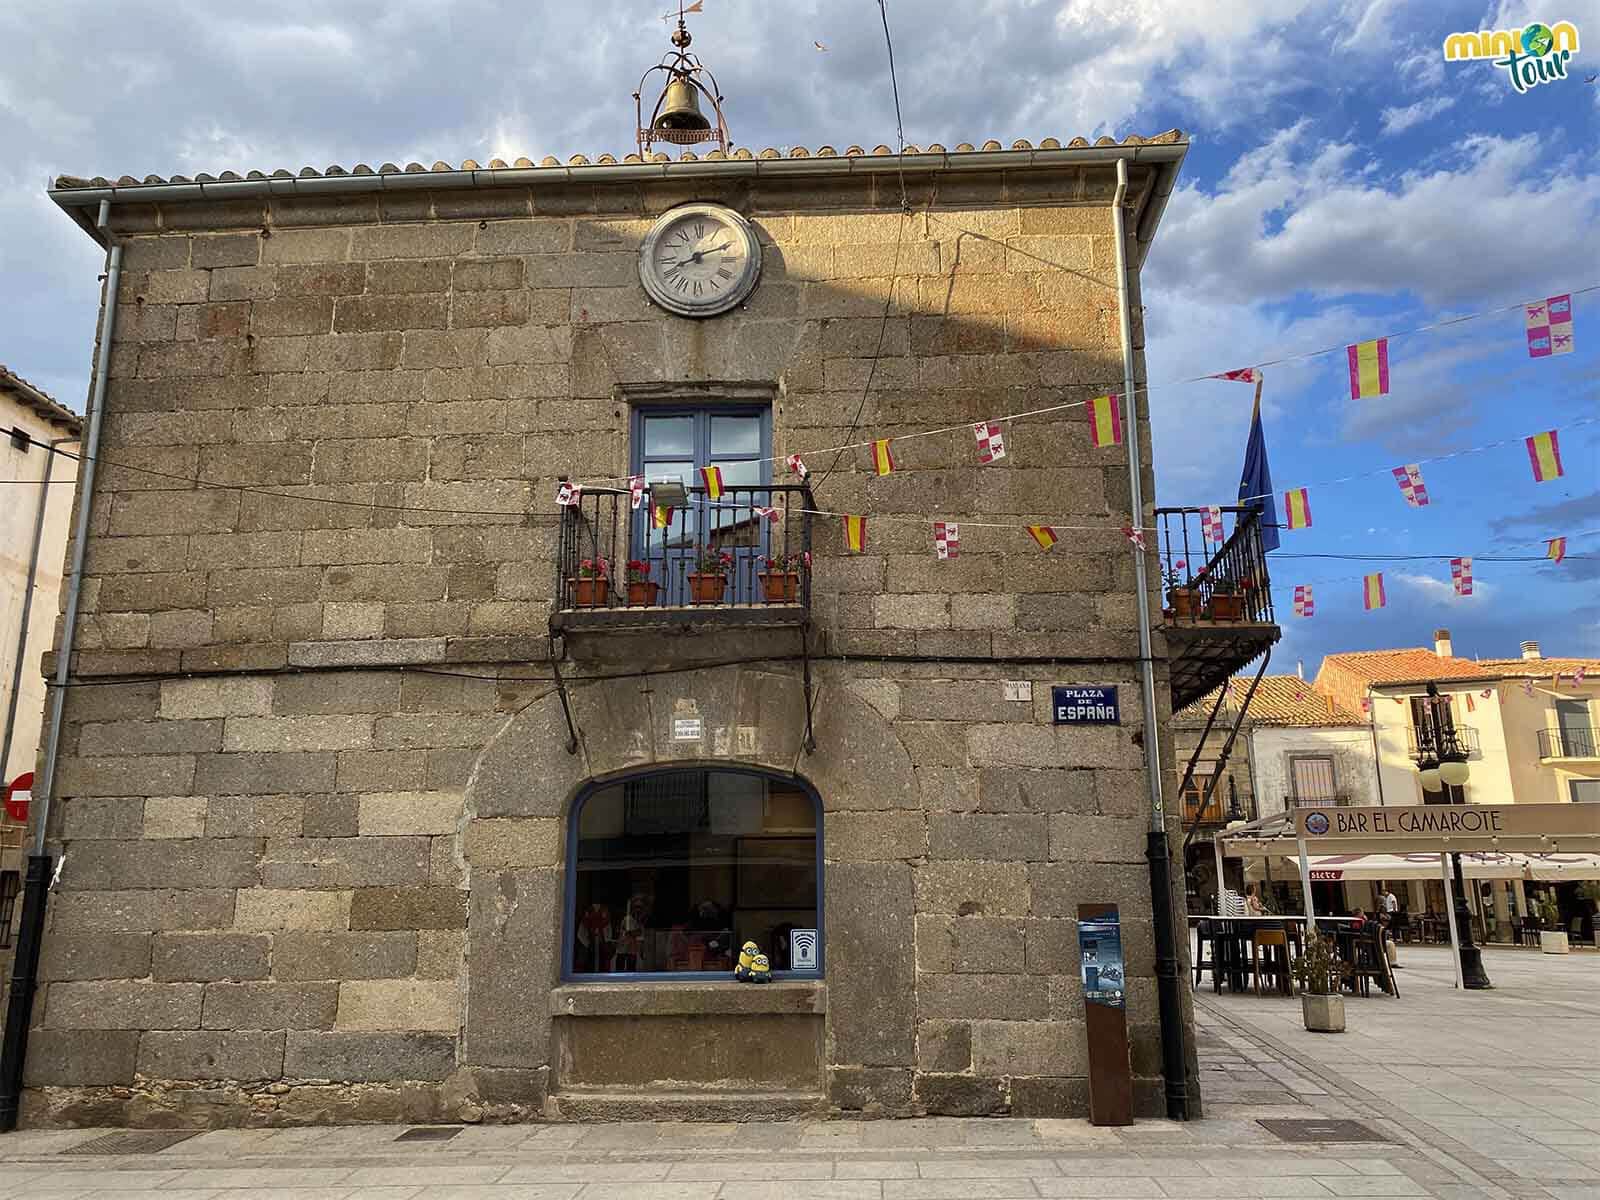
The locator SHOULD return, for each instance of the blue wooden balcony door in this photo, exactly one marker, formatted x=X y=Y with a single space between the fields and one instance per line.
x=674 y=443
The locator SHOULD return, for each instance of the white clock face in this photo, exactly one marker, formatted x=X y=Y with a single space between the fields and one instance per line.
x=700 y=260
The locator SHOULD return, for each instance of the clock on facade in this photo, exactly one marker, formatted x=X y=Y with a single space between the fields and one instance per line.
x=700 y=260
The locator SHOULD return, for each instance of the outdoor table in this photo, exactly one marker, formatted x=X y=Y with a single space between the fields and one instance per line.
x=1231 y=936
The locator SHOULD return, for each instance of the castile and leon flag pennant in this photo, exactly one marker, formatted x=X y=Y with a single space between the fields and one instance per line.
x=636 y=490
x=1550 y=327
x=569 y=494
x=1242 y=375
x=946 y=540
x=795 y=465
x=1409 y=477
x=1305 y=605
x=1461 y=575
x=1211 y=525
x=991 y=443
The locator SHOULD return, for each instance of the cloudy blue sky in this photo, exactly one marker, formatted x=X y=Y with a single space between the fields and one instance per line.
x=1345 y=183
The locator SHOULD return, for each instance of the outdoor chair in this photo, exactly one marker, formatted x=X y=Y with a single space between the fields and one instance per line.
x=1368 y=961
x=1269 y=955
x=1204 y=936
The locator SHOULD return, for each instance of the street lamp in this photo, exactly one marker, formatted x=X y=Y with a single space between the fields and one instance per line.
x=1442 y=762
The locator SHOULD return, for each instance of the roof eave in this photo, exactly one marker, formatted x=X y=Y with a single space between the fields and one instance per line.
x=1166 y=157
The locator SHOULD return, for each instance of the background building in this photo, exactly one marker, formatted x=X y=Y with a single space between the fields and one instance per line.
x=29 y=422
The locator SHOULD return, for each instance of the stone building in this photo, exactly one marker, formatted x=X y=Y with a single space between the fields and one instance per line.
x=374 y=796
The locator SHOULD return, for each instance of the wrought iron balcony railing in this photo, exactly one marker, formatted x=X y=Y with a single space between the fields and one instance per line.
x=1573 y=741
x=1466 y=739
x=1232 y=585
x=745 y=556
x=1336 y=800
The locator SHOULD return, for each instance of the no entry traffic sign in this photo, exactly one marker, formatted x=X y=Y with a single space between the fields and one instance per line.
x=18 y=793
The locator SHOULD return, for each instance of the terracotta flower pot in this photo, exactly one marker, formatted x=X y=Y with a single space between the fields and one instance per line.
x=780 y=587
x=707 y=589
x=1227 y=608
x=642 y=593
x=590 y=591
x=1183 y=603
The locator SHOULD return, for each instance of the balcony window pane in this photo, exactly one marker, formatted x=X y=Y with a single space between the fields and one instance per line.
x=668 y=436
x=735 y=435
x=675 y=870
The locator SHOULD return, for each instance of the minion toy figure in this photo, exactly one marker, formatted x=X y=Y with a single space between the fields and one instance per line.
x=760 y=969
x=747 y=956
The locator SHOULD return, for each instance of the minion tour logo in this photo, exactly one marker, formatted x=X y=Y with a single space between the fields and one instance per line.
x=1531 y=56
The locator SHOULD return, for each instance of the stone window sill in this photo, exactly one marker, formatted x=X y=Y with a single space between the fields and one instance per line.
x=656 y=999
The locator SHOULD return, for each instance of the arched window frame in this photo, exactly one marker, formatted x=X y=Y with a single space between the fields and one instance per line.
x=569 y=889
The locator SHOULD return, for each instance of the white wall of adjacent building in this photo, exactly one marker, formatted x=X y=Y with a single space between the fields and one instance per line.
x=1348 y=750
x=17 y=517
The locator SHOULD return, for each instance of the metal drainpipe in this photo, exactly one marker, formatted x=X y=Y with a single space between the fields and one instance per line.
x=24 y=978
x=1174 y=1057
x=27 y=599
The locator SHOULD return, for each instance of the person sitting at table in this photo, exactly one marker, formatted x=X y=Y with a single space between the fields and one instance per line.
x=1252 y=902
x=1358 y=918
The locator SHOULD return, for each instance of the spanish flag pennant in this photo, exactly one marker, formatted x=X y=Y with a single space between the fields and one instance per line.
x=1297 y=507
x=1044 y=535
x=882 y=459
x=855 y=534
x=660 y=516
x=1369 y=368
x=1555 y=549
x=1105 y=422
x=1544 y=453
x=712 y=478
x=1472 y=705
x=1373 y=593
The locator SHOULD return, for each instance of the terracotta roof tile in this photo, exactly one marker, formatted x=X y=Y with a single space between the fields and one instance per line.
x=1171 y=137
x=1281 y=700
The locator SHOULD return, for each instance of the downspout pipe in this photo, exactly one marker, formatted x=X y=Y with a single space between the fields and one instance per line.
x=25 y=972
x=27 y=599
x=1174 y=1056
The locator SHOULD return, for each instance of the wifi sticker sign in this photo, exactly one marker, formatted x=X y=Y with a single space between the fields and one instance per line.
x=803 y=948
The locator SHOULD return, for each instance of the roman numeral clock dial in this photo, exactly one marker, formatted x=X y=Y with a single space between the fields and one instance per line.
x=700 y=260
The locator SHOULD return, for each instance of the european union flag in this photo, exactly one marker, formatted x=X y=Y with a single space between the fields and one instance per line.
x=1255 y=484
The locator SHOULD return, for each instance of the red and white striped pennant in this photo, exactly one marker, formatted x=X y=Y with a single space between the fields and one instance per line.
x=991 y=443
x=1409 y=477
x=946 y=540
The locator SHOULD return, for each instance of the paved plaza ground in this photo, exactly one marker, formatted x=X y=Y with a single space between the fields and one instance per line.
x=1491 y=1095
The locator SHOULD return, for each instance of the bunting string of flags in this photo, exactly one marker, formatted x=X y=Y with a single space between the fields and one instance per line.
x=1409 y=477
x=1369 y=375
x=1461 y=575
x=1550 y=327
x=991 y=443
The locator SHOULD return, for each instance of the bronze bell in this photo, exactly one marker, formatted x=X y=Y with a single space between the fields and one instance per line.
x=680 y=107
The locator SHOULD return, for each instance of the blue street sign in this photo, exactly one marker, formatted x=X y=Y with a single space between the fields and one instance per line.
x=1085 y=705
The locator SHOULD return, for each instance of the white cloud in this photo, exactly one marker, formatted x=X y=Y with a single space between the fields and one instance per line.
x=1438 y=591
x=1398 y=120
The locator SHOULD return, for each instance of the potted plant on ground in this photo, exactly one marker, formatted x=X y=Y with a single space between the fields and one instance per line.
x=780 y=582
x=1552 y=938
x=641 y=588
x=709 y=580
x=1227 y=601
x=592 y=585
x=1319 y=973
x=1180 y=598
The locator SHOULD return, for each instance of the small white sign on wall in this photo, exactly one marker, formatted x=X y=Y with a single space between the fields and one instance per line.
x=687 y=729
x=1019 y=689
x=804 y=950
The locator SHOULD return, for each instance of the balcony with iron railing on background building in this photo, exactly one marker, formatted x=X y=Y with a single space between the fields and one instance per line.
x=1464 y=736
x=1570 y=742
x=743 y=558
x=1217 y=612
x=1334 y=800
